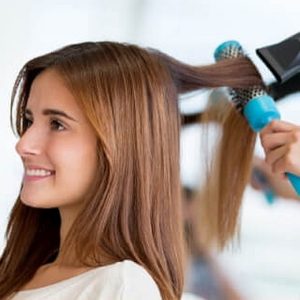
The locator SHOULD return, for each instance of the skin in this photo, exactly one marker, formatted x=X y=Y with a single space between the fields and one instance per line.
x=64 y=146
x=281 y=143
x=279 y=183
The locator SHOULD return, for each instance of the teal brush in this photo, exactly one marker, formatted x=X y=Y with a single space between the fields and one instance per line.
x=256 y=105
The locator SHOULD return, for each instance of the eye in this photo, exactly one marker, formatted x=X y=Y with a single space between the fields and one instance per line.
x=56 y=125
x=26 y=123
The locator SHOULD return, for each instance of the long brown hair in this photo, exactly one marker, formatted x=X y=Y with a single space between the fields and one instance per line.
x=133 y=211
x=227 y=172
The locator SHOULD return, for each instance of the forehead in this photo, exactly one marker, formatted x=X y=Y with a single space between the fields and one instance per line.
x=48 y=90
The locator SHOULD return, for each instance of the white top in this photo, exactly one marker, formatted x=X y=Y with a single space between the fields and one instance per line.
x=189 y=296
x=124 y=280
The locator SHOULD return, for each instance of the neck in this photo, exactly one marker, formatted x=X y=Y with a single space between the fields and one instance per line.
x=68 y=216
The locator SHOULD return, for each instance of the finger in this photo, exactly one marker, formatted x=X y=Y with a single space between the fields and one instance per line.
x=282 y=166
x=278 y=126
x=275 y=155
x=288 y=162
x=272 y=141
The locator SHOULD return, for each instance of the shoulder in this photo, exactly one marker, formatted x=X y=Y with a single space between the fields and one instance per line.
x=188 y=296
x=138 y=283
x=124 y=280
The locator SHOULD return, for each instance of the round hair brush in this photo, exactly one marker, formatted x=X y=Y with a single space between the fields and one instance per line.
x=256 y=105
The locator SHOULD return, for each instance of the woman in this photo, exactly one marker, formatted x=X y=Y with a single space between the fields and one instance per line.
x=98 y=215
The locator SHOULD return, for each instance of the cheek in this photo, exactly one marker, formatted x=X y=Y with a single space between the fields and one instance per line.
x=76 y=162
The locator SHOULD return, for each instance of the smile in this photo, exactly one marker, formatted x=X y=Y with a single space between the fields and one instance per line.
x=37 y=174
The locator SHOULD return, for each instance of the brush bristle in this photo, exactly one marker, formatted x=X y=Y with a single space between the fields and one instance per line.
x=231 y=51
x=240 y=96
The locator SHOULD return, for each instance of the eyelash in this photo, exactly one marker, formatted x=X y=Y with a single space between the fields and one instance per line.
x=28 y=123
x=58 y=123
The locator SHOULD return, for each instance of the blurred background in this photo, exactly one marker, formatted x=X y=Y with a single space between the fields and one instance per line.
x=266 y=264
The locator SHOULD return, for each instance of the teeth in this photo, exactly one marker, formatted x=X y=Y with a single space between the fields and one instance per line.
x=37 y=172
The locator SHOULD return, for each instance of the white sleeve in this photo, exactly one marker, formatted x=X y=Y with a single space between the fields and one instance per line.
x=138 y=284
x=188 y=296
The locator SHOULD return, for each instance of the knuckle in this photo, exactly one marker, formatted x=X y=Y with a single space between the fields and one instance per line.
x=289 y=148
x=288 y=161
x=264 y=142
x=273 y=125
x=296 y=135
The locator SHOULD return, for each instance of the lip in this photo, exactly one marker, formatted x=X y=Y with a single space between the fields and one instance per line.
x=36 y=178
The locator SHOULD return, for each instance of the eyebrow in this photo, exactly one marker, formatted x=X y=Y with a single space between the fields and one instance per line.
x=51 y=111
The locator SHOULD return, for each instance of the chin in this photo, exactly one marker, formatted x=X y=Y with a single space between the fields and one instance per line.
x=35 y=203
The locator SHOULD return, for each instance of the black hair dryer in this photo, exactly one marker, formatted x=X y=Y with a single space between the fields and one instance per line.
x=283 y=59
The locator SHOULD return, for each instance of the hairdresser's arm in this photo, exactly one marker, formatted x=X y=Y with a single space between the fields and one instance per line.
x=281 y=143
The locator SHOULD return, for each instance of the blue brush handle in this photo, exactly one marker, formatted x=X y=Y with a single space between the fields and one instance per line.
x=259 y=112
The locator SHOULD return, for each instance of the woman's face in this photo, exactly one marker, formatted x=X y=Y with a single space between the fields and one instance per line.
x=58 y=149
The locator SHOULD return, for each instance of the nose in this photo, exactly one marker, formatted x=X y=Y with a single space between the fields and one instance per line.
x=30 y=143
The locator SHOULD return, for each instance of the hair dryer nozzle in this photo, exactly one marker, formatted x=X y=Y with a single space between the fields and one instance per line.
x=283 y=59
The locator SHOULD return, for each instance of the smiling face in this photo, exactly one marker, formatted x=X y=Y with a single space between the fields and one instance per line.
x=58 y=148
